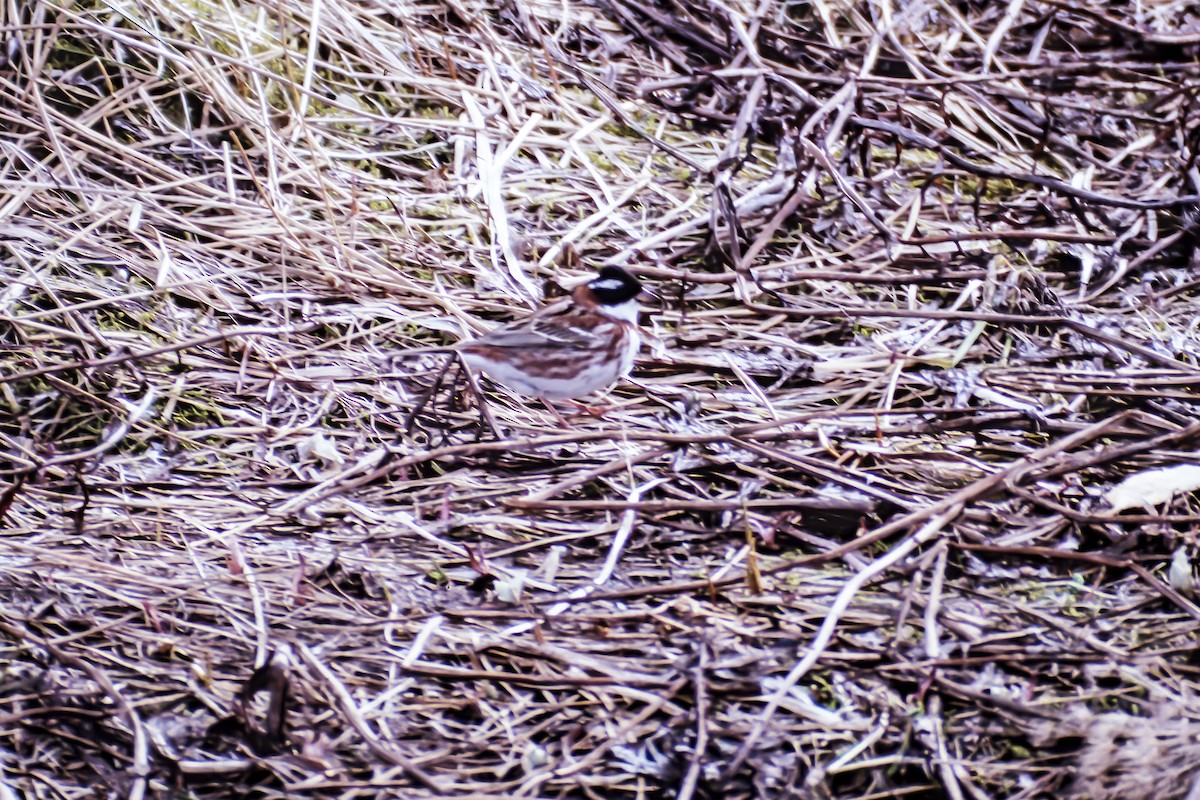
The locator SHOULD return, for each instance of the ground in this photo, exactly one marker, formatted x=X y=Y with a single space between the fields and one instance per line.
x=899 y=502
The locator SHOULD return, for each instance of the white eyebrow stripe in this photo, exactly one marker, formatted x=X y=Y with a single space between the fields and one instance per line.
x=607 y=284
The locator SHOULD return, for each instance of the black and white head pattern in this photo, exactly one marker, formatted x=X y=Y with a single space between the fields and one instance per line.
x=614 y=286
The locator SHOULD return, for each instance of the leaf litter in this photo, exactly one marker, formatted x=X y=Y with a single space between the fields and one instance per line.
x=927 y=293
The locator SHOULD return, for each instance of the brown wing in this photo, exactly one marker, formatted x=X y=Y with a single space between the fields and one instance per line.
x=572 y=329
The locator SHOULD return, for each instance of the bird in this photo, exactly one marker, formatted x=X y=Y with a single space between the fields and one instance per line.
x=565 y=353
x=562 y=352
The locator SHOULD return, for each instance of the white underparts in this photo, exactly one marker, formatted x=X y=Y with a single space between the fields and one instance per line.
x=627 y=311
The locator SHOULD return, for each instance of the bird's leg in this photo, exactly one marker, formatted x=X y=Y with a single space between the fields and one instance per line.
x=582 y=409
x=485 y=415
x=425 y=398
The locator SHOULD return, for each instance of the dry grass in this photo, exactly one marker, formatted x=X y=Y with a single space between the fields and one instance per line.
x=929 y=290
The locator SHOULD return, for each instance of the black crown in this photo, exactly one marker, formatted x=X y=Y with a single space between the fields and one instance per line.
x=614 y=286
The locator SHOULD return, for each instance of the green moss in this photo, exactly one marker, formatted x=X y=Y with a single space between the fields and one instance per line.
x=117 y=320
x=994 y=189
x=193 y=410
x=1017 y=751
x=909 y=156
x=602 y=163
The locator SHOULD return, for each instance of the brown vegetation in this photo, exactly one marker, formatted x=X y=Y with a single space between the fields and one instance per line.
x=928 y=291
